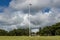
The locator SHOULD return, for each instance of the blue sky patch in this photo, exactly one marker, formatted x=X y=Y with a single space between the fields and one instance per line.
x=4 y=2
x=45 y=9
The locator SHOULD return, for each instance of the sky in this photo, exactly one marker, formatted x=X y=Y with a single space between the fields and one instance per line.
x=14 y=14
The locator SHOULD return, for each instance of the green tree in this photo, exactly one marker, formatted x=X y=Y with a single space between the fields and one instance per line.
x=58 y=32
x=3 y=32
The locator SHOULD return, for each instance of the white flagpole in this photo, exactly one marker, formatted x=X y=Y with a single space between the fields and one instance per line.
x=29 y=19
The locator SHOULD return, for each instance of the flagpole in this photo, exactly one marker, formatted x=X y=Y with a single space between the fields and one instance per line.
x=29 y=19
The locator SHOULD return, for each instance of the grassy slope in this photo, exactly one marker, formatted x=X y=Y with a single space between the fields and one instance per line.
x=29 y=38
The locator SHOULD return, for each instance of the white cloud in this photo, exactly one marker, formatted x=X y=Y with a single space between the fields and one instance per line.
x=45 y=19
x=13 y=17
x=12 y=20
x=36 y=4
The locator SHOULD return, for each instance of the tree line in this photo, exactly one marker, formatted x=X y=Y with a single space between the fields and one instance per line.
x=50 y=30
x=15 y=32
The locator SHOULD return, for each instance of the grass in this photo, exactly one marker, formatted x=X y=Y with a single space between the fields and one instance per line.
x=29 y=38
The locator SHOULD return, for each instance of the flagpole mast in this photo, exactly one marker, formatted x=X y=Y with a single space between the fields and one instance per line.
x=29 y=19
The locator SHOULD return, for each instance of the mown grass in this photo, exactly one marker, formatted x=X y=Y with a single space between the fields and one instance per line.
x=45 y=38
x=29 y=38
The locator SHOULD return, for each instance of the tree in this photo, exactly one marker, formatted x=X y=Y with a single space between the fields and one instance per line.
x=3 y=32
x=19 y=32
x=58 y=32
x=50 y=30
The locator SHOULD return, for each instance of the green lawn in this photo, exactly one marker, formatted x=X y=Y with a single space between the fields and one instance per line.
x=29 y=38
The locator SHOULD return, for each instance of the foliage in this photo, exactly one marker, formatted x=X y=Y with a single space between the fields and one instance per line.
x=50 y=30
x=15 y=32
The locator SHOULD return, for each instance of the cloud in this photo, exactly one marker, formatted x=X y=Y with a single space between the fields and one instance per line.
x=12 y=20
x=41 y=19
x=16 y=15
x=36 y=4
x=24 y=4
